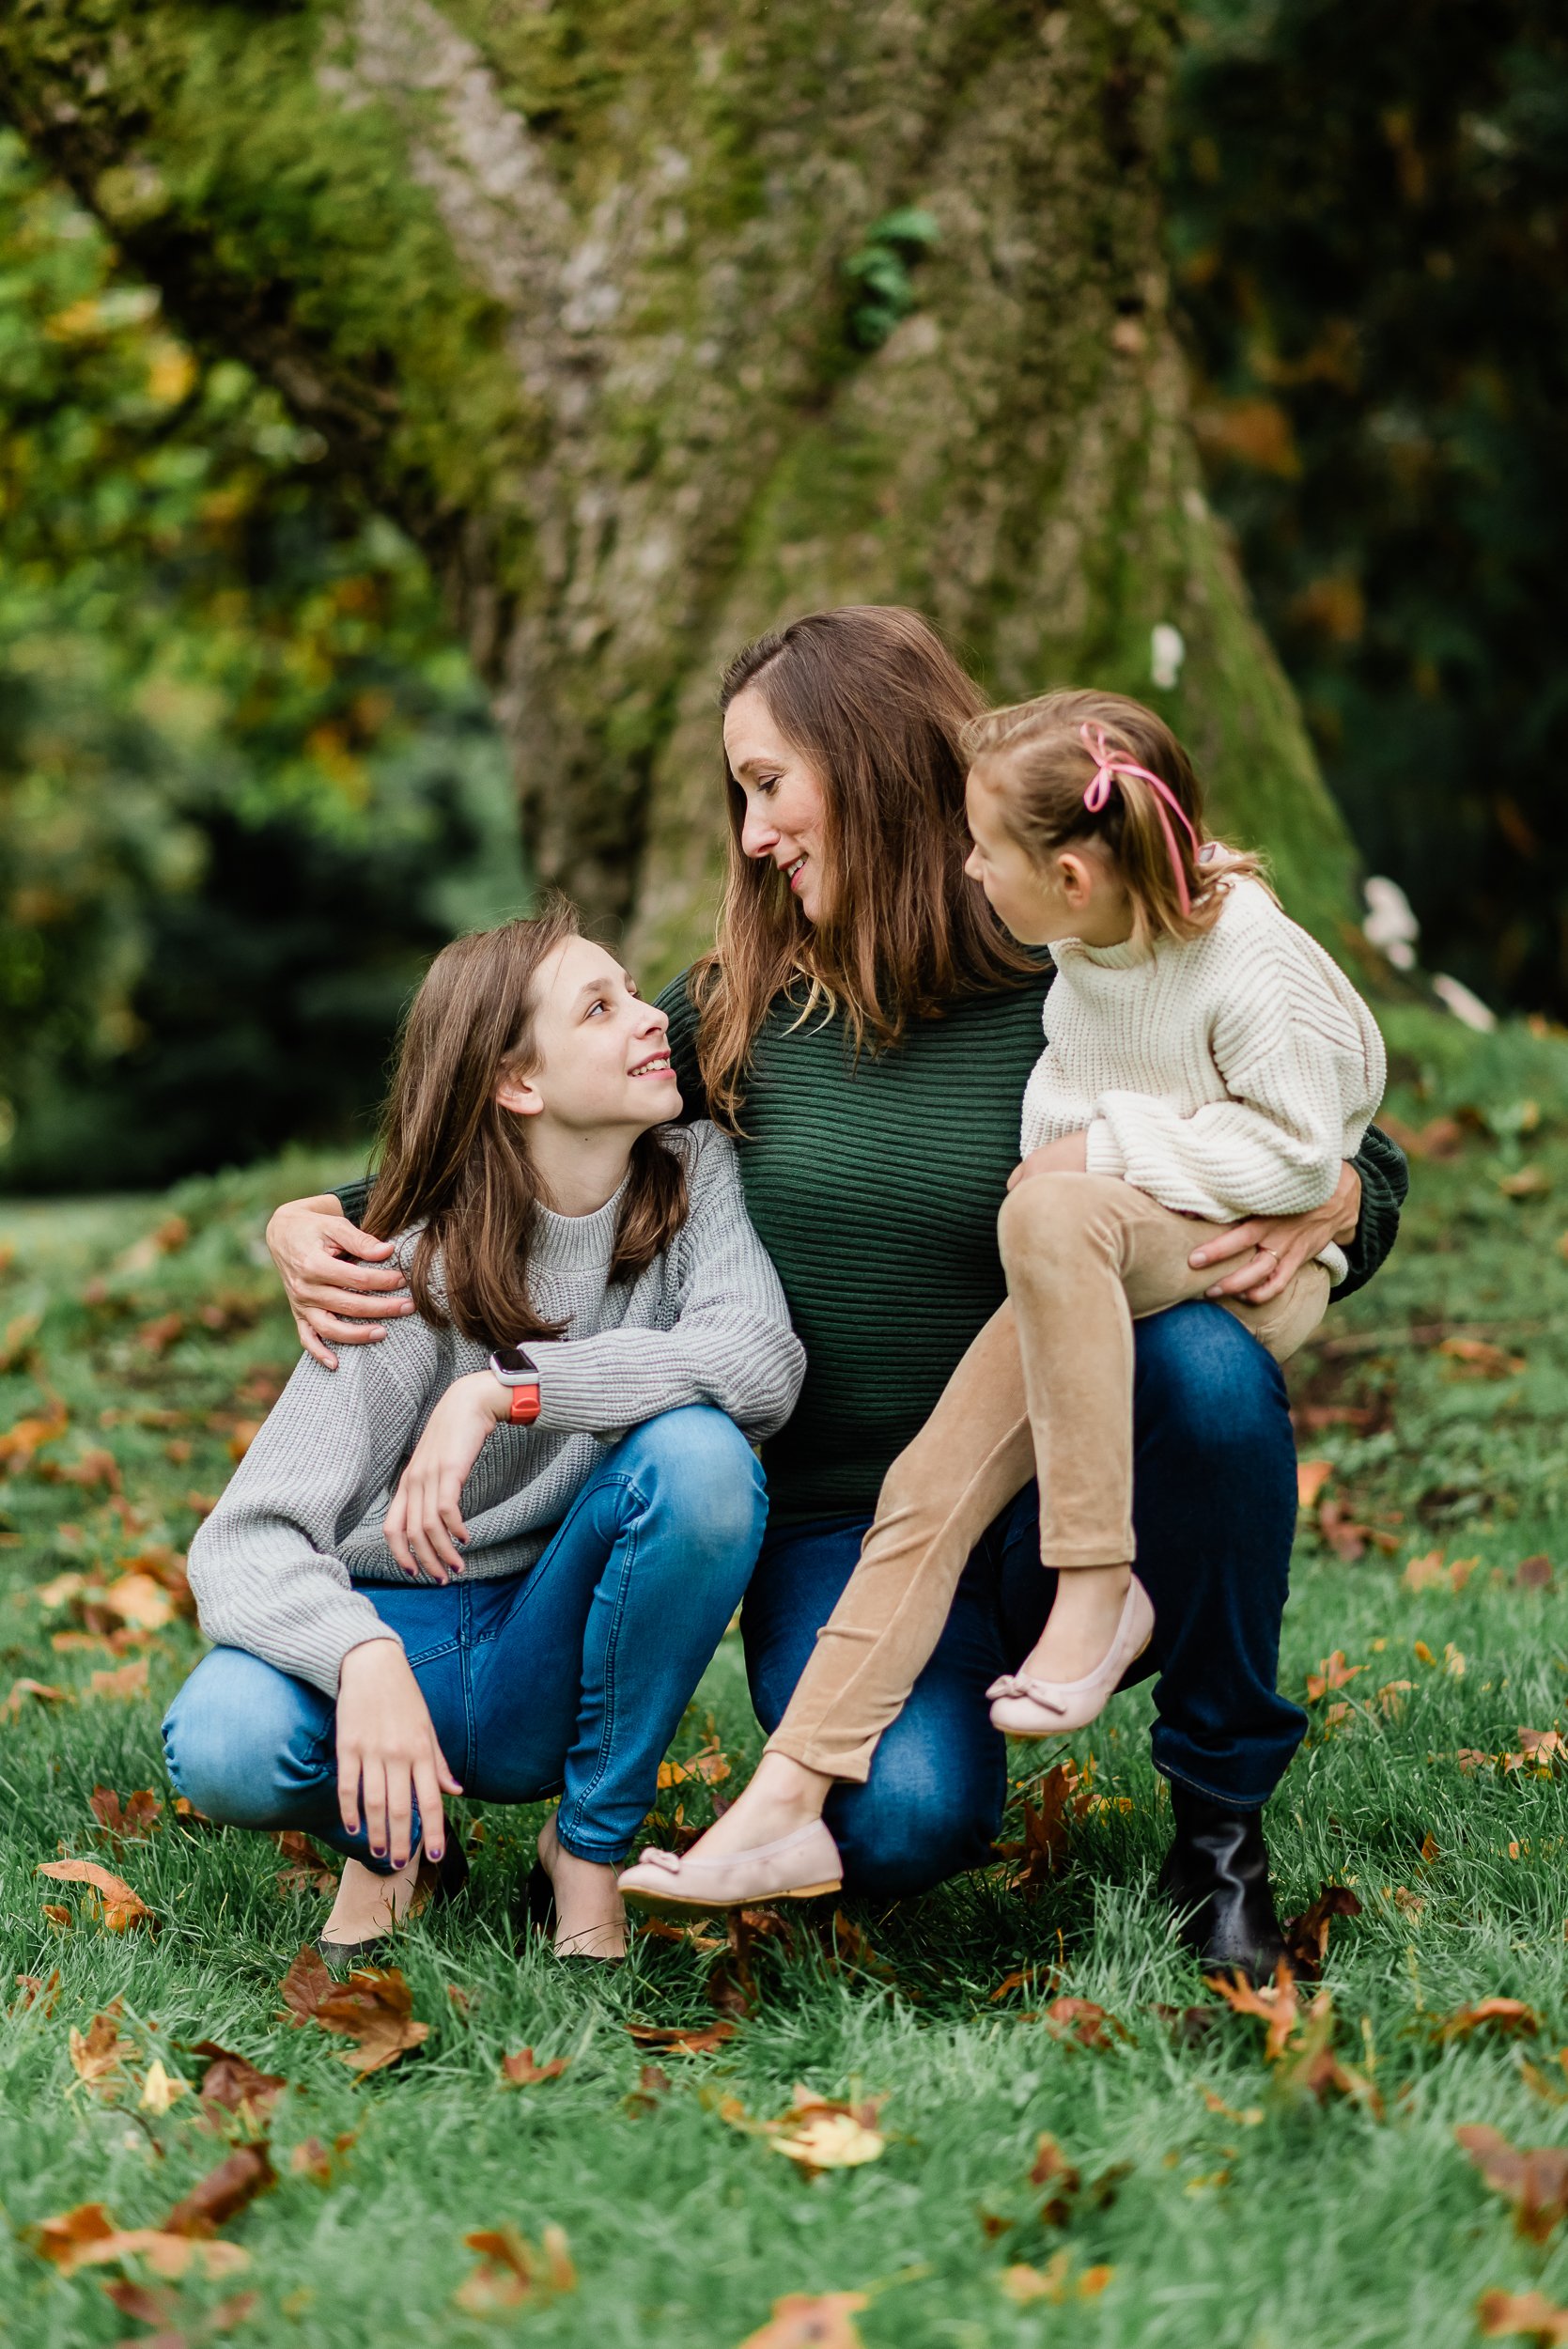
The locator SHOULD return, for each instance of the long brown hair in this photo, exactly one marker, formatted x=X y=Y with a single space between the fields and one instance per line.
x=1044 y=766
x=873 y=698
x=455 y=1162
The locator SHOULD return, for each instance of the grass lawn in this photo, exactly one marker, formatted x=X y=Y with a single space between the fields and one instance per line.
x=1222 y=2196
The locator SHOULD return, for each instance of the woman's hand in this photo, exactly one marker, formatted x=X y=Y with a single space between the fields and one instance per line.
x=386 y=1746
x=1275 y=1246
x=425 y=1524
x=329 y=1269
x=1067 y=1155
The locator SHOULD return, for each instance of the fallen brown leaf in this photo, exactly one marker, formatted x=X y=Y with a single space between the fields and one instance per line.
x=41 y=1691
x=1534 y=2179
x=511 y=2270
x=1478 y=1357
x=232 y=2082
x=155 y=1337
x=1083 y=2021
x=521 y=2071
x=652 y=2083
x=306 y=1983
x=1054 y=2282
x=1053 y=2170
x=1312 y=2067
x=18 y=1444
x=709 y=1767
x=804 y=2320
x=1509 y=2016
x=1528 y=2312
x=307 y=1871
x=311 y=2159
x=375 y=2009
x=129 y=1820
x=33 y=1988
x=694 y=2041
x=87 y=2237
x=121 y=1907
x=1306 y=1937
x=1533 y=1573
x=222 y=2193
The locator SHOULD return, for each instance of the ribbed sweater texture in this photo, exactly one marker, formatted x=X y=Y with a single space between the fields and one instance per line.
x=1226 y=1075
x=873 y=1184
x=273 y=1566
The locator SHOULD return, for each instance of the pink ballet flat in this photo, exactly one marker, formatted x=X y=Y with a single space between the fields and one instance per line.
x=797 y=1867
x=1026 y=1707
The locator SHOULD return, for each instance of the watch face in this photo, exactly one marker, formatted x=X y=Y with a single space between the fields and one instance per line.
x=512 y=1359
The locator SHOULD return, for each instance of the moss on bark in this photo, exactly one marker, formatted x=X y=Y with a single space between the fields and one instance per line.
x=564 y=283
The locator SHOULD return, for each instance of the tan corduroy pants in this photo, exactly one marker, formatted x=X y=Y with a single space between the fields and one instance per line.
x=1045 y=1389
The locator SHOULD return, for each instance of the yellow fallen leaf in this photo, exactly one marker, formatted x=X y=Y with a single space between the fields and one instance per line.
x=140 y=1602
x=830 y=2140
x=162 y=2089
x=1311 y=1477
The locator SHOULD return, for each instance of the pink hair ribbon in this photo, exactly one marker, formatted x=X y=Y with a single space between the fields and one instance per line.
x=1107 y=767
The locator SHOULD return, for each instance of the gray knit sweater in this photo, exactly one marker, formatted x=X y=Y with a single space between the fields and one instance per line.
x=273 y=1567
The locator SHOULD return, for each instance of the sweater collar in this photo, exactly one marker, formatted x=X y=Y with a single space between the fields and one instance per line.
x=575 y=1243
x=1127 y=957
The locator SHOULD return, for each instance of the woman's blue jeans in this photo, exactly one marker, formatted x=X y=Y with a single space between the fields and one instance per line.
x=1213 y=1509
x=572 y=1677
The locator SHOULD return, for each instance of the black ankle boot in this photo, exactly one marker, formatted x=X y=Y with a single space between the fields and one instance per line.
x=1216 y=1875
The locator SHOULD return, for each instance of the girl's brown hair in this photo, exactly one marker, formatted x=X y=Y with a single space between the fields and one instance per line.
x=1044 y=766
x=457 y=1164
x=873 y=698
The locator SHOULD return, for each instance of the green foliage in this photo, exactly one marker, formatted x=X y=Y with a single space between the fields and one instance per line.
x=1238 y=2209
x=246 y=784
x=1370 y=215
x=882 y=290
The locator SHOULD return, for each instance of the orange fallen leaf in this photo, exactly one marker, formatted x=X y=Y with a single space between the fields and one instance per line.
x=129 y=1820
x=129 y=1681
x=1052 y=2168
x=1477 y=1357
x=521 y=2071
x=1276 y=2006
x=1055 y=2282
x=33 y=1988
x=512 y=2270
x=1083 y=2021
x=140 y=1601
x=709 y=1767
x=87 y=2237
x=41 y=1691
x=804 y=2320
x=122 y=1907
x=1534 y=2179
x=1333 y=1672
x=1512 y=2017
x=1311 y=1477
x=18 y=1444
x=694 y=2041
x=1528 y=2312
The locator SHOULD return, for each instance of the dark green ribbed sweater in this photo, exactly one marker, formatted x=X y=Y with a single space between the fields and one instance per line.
x=875 y=1187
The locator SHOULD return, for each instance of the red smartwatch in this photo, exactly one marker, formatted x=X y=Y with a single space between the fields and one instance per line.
x=514 y=1370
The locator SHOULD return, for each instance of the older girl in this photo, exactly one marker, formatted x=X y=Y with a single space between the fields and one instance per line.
x=1207 y=1062
x=435 y=1571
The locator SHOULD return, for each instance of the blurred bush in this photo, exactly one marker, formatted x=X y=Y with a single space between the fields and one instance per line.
x=247 y=785
x=1369 y=212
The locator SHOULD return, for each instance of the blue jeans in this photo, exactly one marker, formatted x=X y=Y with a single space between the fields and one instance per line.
x=1214 y=1510
x=572 y=1677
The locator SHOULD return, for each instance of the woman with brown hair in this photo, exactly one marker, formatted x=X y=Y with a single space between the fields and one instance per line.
x=497 y=1552
x=866 y=1029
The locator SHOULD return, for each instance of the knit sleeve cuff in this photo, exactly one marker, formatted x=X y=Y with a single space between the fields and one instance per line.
x=1102 y=1153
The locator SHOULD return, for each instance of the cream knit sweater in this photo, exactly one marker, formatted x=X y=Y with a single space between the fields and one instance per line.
x=1228 y=1076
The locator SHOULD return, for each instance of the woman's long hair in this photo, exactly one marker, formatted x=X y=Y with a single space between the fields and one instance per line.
x=455 y=1163
x=872 y=696
x=1047 y=753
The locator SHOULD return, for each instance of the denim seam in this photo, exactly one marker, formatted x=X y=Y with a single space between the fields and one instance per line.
x=580 y=1798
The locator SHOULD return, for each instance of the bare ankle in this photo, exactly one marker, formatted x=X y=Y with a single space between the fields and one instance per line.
x=786 y=1784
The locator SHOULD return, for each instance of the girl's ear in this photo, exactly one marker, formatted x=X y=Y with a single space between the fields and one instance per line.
x=1074 y=878
x=520 y=1094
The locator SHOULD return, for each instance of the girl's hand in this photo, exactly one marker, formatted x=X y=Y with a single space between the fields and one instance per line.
x=329 y=1269
x=1067 y=1155
x=386 y=1746
x=425 y=1524
x=1275 y=1246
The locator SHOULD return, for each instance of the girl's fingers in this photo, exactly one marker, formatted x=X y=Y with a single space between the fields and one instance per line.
x=348 y=1790
x=432 y=1820
x=375 y=1809
x=400 y=1814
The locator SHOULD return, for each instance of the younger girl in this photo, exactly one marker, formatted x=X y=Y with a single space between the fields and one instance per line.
x=1206 y=1062
x=442 y=1568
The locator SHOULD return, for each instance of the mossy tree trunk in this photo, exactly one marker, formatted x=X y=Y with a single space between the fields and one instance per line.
x=566 y=283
